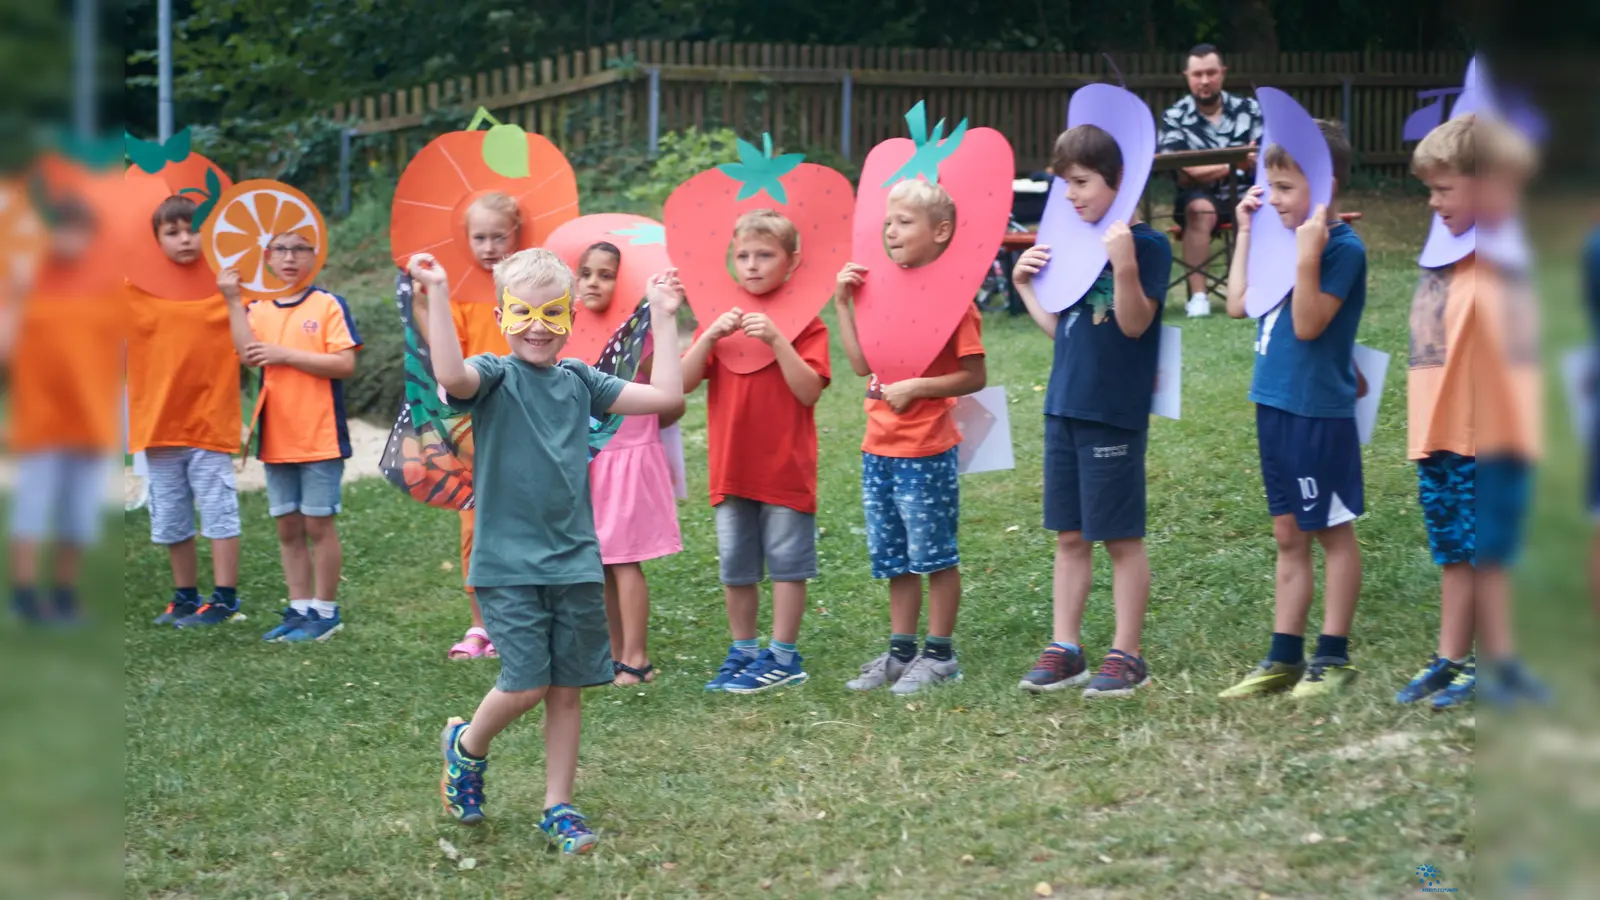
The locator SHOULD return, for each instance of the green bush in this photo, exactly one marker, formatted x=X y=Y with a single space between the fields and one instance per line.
x=680 y=156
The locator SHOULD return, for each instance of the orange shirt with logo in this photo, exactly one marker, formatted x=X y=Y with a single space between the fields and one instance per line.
x=926 y=427
x=66 y=371
x=1439 y=382
x=760 y=440
x=302 y=416
x=183 y=374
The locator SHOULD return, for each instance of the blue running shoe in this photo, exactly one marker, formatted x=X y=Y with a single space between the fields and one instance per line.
x=208 y=614
x=567 y=830
x=315 y=627
x=292 y=619
x=765 y=674
x=1434 y=677
x=461 y=787
x=179 y=607
x=730 y=669
x=1509 y=685
x=1460 y=690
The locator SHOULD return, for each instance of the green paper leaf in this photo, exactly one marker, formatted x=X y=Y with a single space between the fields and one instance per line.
x=147 y=155
x=932 y=148
x=505 y=150
x=758 y=171
x=212 y=192
x=196 y=191
x=642 y=234
x=177 y=146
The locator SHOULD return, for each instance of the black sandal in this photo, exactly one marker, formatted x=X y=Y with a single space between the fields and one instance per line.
x=617 y=668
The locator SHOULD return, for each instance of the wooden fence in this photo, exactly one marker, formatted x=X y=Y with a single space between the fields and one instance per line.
x=847 y=99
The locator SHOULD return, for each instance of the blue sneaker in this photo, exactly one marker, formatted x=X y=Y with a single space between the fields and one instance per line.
x=766 y=673
x=461 y=787
x=1509 y=685
x=730 y=669
x=292 y=619
x=208 y=614
x=315 y=627
x=177 y=608
x=1434 y=677
x=566 y=829
x=1460 y=690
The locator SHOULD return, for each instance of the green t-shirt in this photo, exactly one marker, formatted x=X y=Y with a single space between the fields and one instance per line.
x=530 y=470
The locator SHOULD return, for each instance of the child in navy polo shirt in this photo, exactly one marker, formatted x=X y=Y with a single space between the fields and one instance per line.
x=1097 y=414
x=1305 y=388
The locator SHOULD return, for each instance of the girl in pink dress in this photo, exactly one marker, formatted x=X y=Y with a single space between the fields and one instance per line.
x=635 y=512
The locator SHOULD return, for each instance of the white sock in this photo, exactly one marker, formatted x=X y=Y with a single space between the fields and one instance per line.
x=1203 y=298
x=324 y=608
x=300 y=606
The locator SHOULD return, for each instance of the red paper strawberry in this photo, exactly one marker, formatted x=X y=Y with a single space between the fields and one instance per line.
x=904 y=317
x=699 y=217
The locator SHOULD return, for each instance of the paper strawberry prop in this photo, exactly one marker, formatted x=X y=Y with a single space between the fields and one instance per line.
x=444 y=179
x=643 y=243
x=699 y=218
x=904 y=317
x=160 y=170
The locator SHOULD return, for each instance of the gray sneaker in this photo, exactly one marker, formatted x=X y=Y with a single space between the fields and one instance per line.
x=883 y=670
x=924 y=672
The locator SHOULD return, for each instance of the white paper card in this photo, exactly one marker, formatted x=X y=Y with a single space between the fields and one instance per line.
x=985 y=427
x=1372 y=367
x=1168 y=398
x=672 y=442
x=1578 y=372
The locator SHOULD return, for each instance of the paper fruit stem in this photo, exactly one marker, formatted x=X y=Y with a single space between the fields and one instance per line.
x=758 y=170
x=932 y=148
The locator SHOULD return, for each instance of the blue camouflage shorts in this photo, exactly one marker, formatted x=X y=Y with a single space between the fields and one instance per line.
x=913 y=507
x=1447 y=489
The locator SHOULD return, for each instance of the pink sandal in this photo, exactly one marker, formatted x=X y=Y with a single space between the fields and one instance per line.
x=474 y=644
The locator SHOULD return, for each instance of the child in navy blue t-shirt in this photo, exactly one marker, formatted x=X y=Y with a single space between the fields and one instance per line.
x=1097 y=414
x=1305 y=388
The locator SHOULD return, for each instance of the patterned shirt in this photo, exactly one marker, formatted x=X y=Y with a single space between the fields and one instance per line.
x=1184 y=128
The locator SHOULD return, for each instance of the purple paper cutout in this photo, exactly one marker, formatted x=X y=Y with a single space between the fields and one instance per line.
x=1442 y=247
x=1077 y=253
x=1424 y=120
x=1273 y=247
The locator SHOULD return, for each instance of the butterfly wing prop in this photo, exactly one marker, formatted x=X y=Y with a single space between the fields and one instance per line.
x=429 y=453
x=621 y=357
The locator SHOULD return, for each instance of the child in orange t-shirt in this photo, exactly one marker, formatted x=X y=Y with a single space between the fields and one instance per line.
x=909 y=481
x=183 y=412
x=305 y=344
x=766 y=503
x=61 y=347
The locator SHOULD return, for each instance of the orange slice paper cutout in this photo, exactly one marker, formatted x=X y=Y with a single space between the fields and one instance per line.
x=148 y=269
x=23 y=237
x=246 y=218
x=429 y=214
x=643 y=242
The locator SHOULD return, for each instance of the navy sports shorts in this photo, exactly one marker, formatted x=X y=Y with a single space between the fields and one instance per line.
x=1311 y=468
x=1093 y=479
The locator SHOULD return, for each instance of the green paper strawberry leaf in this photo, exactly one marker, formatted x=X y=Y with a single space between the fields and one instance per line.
x=149 y=156
x=759 y=171
x=643 y=234
x=932 y=148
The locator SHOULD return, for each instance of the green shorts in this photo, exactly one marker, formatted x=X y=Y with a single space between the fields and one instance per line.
x=553 y=635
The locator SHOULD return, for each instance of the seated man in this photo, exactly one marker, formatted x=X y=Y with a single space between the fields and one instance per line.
x=1208 y=119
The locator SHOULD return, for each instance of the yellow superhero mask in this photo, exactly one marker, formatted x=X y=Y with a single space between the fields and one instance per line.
x=516 y=316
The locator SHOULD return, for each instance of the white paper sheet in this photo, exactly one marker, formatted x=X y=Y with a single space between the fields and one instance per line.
x=1168 y=398
x=985 y=426
x=672 y=442
x=1578 y=373
x=1372 y=368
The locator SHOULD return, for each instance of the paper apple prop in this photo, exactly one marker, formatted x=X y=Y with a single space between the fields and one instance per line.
x=699 y=218
x=160 y=170
x=1270 y=268
x=904 y=317
x=643 y=243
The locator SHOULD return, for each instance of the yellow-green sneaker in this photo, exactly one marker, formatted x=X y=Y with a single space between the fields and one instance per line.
x=1325 y=675
x=1268 y=678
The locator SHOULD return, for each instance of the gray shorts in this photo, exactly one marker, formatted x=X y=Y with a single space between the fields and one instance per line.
x=751 y=533
x=184 y=480
x=310 y=489
x=60 y=494
x=553 y=635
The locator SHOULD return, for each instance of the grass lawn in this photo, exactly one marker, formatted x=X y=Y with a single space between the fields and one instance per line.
x=301 y=771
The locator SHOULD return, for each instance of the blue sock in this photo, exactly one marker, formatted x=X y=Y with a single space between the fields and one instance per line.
x=189 y=595
x=783 y=653
x=1289 y=649
x=1335 y=646
x=25 y=602
x=1070 y=648
x=903 y=647
x=938 y=648
x=65 y=601
x=750 y=648
x=228 y=596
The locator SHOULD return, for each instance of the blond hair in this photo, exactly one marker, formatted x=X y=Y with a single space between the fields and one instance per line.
x=769 y=223
x=532 y=268
x=1451 y=147
x=1506 y=151
x=501 y=204
x=926 y=196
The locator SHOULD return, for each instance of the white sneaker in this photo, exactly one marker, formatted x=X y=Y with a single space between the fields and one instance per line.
x=925 y=672
x=883 y=670
x=1198 y=306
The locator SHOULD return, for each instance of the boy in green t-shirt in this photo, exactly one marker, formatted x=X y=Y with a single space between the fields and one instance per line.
x=536 y=561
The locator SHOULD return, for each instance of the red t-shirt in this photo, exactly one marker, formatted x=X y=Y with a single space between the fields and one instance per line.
x=925 y=428
x=775 y=460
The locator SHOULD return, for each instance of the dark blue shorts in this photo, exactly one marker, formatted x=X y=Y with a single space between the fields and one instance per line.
x=1447 y=485
x=1311 y=468
x=1093 y=479
x=1504 y=488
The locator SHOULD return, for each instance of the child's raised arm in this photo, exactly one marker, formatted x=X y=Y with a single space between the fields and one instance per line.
x=664 y=394
x=238 y=319
x=1312 y=307
x=1032 y=260
x=1239 y=267
x=804 y=382
x=450 y=369
x=694 y=362
x=843 y=296
x=1135 y=311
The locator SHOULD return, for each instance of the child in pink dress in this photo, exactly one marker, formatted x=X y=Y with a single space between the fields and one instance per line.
x=635 y=512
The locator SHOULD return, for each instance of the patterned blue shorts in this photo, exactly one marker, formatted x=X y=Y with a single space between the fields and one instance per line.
x=1447 y=488
x=913 y=507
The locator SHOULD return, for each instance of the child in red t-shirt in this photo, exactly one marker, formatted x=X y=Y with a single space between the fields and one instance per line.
x=766 y=502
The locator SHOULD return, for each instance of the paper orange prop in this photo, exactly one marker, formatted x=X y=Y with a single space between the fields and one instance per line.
x=643 y=243
x=160 y=170
x=699 y=218
x=23 y=238
x=429 y=214
x=56 y=178
x=246 y=218
x=905 y=316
